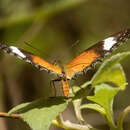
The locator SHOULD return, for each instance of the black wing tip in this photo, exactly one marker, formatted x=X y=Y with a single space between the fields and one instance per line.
x=122 y=36
x=128 y=33
x=2 y=45
x=5 y=48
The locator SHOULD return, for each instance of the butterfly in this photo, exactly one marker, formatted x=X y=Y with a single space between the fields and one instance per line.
x=85 y=60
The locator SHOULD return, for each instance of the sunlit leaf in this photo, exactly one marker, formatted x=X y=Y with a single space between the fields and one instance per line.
x=117 y=76
x=39 y=114
x=81 y=91
x=94 y=107
x=108 y=72
x=104 y=95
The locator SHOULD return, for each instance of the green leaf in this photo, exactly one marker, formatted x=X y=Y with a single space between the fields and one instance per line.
x=116 y=75
x=94 y=107
x=81 y=91
x=110 y=72
x=39 y=114
x=104 y=95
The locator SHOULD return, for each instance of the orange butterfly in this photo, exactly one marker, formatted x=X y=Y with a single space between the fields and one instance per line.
x=80 y=63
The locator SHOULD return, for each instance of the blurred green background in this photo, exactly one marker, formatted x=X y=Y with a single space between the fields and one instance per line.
x=57 y=30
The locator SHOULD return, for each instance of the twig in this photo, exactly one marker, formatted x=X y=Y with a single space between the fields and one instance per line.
x=15 y=116
x=69 y=125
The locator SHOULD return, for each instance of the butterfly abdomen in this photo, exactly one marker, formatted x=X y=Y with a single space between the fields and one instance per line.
x=65 y=86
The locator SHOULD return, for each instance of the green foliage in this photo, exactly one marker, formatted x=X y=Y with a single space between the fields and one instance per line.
x=93 y=106
x=40 y=114
x=104 y=95
x=25 y=22
x=111 y=72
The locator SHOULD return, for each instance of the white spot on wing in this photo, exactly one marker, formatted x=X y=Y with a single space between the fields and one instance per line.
x=17 y=51
x=108 y=43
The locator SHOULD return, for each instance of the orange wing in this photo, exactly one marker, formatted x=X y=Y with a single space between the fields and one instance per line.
x=37 y=62
x=43 y=64
x=93 y=54
x=29 y=57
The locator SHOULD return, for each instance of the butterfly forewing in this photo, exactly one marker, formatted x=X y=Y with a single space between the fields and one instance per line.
x=29 y=57
x=93 y=54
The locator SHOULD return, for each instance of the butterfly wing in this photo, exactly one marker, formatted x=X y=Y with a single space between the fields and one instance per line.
x=29 y=57
x=95 y=53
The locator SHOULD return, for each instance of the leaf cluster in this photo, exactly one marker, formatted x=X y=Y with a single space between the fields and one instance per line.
x=40 y=114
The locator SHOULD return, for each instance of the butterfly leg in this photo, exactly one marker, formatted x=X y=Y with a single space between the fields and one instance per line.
x=52 y=84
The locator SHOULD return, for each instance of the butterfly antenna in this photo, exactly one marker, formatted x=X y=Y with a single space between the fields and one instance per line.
x=74 y=44
x=38 y=50
x=70 y=48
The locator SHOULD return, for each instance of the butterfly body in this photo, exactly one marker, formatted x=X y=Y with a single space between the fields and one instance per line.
x=84 y=61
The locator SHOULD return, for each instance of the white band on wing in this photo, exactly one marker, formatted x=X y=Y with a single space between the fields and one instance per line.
x=17 y=51
x=109 y=42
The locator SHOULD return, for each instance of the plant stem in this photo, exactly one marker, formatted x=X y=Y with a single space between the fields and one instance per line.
x=121 y=118
x=67 y=125
x=15 y=116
